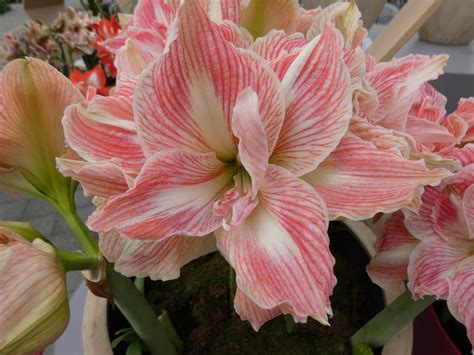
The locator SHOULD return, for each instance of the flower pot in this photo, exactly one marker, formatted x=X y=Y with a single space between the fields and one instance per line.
x=452 y=24
x=370 y=9
x=95 y=328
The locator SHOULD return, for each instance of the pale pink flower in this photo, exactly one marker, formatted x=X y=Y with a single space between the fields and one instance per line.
x=218 y=141
x=33 y=298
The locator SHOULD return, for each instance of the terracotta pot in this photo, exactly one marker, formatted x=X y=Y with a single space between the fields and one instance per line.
x=452 y=24
x=370 y=9
x=96 y=339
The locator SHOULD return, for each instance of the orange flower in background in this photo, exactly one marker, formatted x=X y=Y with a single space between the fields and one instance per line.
x=92 y=78
x=106 y=29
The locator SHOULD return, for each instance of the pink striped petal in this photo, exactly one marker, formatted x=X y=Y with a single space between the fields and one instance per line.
x=397 y=84
x=173 y=195
x=277 y=43
x=428 y=133
x=464 y=155
x=430 y=105
x=306 y=18
x=186 y=99
x=468 y=208
x=236 y=35
x=388 y=268
x=253 y=147
x=318 y=105
x=152 y=13
x=130 y=61
x=104 y=130
x=461 y=296
x=159 y=260
x=359 y=180
x=432 y=263
x=102 y=179
x=465 y=111
x=347 y=19
x=249 y=311
x=281 y=251
x=460 y=182
x=262 y=16
x=421 y=223
x=449 y=217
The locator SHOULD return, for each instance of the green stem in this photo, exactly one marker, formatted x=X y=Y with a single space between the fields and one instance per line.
x=390 y=320
x=138 y=313
x=165 y=321
x=74 y=261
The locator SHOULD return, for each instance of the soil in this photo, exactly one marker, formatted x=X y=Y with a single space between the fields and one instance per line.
x=199 y=305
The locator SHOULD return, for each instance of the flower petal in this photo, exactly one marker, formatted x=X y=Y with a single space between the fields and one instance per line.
x=461 y=297
x=397 y=84
x=185 y=100
x=432 y=263
x=262 y=16
x=33 y=96
x=358 y=180
x=465 y=111
x=102 y=179
x=277 y=43
x=159 y=260
x=104 y=130
x=248 y=128
x=249 y=311
x=318 y=105
x=173 y=195
x=388 y=268
x=281 y=251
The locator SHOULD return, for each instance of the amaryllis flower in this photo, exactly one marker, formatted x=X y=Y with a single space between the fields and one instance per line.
x=33 y=297
x=433 y=249
x=33 y=96
x=224 y=143
x=106 y=30
x=94 y=78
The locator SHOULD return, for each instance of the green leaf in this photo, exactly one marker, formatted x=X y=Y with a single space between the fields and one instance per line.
x=123 y=330
x=362 y=349
x=129 y=337
x=134 y=349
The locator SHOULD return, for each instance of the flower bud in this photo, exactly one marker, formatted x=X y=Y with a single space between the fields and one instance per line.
x=34 y=306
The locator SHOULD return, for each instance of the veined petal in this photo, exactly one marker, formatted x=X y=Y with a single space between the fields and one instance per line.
x=318 y=101
x=152 y=13
x=305 y=19
x=459 y=182
x=102 y=179
x=388 y=268
x=131 y=61
x=249 y=311
x=236 y=35
x=359 y=180
x=465 y=110
x=464 y=155
x=262 y=16
x=159 y=260
x=428 y=133
x=277 y=43
x=461 y=296
x=248 y=128
x=347 y=19
x=185 y=100
x=449 y=218
x=421 y=223
x=173 y=195
x=468 y=209
x=104 y=130
x=281 y=251
x=33 y=96
x=430 y=105
x=432 y=263
x=397 y=84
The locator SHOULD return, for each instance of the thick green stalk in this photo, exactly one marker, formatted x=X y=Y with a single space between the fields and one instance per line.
x=139 y=314
x=390 y=320
x=74 y=261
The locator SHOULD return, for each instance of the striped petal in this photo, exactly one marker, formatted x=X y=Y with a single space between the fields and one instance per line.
x=102 y=179
x=432 y=263
x=281 y=251
x=249 y=311
x=464 y=155
x=347 y=19
x=262 y=16
x=465 y=111
x=318 y=94
x=430 y=104
x=449 y=217
x=397 y=84
x=461 y=296
x=33 y=296
x=173 y=195
x=103 y=130
x=359 y=180
x=130 y=61
x=33 y=96
x=277 y=43
x=159 y=260
x=388 y=268
x=185 y=100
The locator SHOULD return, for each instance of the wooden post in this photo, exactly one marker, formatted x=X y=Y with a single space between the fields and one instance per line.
x=409 y=20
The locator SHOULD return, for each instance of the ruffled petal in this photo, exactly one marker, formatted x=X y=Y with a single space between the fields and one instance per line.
x=461 y=296
x=318 y=96
x=359 y=180
x=277 y=43
x=159 y=260
x=173 y=195
x=388 y=268
x=185 y=100
x=465 y=111
x=281 y=251
x=249 y=311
